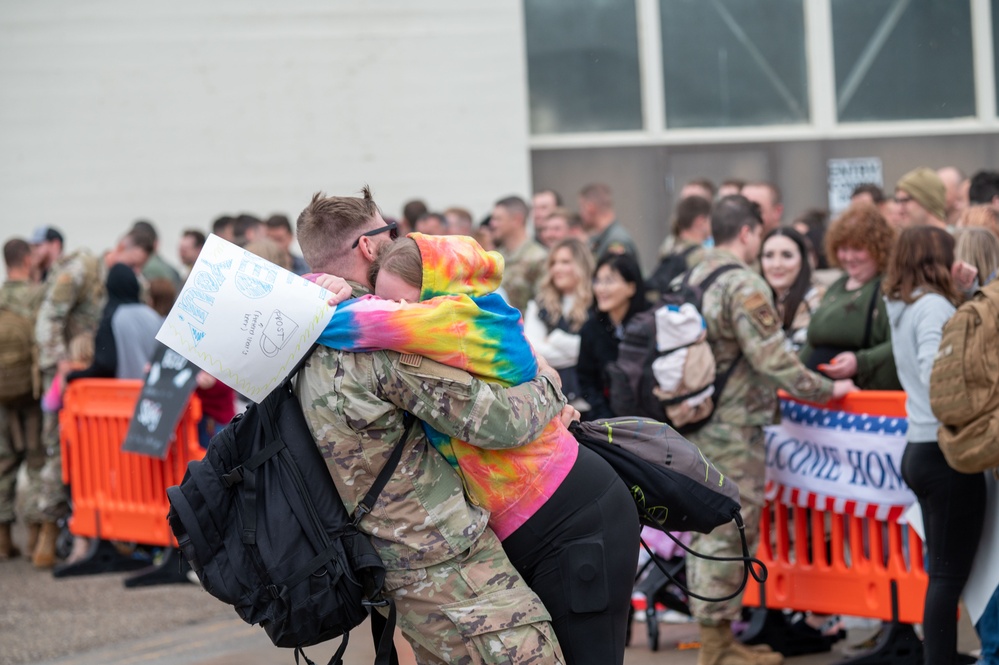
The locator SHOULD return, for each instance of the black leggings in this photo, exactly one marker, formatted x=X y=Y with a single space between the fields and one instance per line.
x=579 y=553
x=953 y=507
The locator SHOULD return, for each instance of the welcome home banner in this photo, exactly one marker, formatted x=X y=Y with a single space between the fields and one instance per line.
x=845 y=458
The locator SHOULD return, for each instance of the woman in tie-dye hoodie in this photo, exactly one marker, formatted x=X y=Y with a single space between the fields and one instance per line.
x=566 y=520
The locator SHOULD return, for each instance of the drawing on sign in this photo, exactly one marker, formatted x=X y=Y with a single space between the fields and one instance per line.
x=277 y=332
x=149 y=414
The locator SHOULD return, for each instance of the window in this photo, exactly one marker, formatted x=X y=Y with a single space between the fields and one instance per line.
x=903 y=59
x=995 y=46
x=734 y=63
x=582 y=65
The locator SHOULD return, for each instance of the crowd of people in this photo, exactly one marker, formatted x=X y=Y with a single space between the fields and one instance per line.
x=815 y=307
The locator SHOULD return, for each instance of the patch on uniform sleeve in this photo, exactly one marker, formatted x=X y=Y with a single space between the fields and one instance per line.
x=410 y=359
x=762 y=313
x=433 y=370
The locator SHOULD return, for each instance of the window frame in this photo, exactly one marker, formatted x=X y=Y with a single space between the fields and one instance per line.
x=823 y=123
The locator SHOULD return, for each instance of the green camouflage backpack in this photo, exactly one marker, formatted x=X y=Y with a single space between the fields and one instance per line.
x=18 y=369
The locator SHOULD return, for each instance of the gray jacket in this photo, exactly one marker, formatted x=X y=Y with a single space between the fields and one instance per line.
x=915 y=336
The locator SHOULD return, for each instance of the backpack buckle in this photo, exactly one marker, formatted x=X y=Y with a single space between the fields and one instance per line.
x=234 y=477
x=360 y=512
x=380 y=602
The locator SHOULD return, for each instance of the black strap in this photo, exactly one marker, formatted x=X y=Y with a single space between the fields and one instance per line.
x=368 y=502
x=243 y=473
x=870 y=315
x=704 y=285
x=382 y=632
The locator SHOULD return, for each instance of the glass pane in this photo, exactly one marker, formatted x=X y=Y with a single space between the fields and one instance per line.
x=903 y=59
x=582 y=65
x=734 y=63
x=995 y=46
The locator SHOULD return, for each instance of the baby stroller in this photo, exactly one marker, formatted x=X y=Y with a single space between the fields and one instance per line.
x=653 y=587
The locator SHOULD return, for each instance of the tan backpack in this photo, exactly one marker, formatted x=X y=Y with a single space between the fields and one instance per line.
x=964 y=384
x=18 y=367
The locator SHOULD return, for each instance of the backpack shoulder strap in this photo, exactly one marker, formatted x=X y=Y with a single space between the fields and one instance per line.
x=368 y=502
x=869 y=324
x=685 y=254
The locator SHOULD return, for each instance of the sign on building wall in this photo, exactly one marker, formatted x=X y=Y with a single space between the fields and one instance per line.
x=846 y=174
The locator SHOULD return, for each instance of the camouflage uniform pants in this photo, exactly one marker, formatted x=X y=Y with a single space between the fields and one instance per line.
x=20 y=441
x=738 y=452
x=474 y=609
x=46 y=492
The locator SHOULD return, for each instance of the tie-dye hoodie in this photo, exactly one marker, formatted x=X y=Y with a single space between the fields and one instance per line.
x=461 y=322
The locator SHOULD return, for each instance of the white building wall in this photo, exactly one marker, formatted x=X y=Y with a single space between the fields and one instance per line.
x=179 y=112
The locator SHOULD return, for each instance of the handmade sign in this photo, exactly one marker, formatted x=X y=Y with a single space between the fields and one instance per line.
x=165 y=393
x=244 y=320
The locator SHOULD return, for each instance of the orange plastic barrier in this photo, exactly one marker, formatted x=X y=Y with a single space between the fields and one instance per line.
x=852 y=575
x=119 y=495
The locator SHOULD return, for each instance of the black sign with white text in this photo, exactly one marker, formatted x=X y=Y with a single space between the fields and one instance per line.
x=169 y=383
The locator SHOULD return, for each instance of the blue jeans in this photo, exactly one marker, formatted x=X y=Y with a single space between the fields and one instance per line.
x=207 y=428
x=988 y=631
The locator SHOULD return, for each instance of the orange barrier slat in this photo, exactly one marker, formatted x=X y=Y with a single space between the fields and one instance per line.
x=119 y=495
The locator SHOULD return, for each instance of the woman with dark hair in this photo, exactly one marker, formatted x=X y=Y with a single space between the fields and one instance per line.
x=812 y=224
x=619 y=294
x=785 y=265
x=848 y=336
x=921 y=297
x=126 y=335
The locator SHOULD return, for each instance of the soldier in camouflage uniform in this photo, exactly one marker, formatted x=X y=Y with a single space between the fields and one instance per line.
x=742 y=321
x=525 y=259
x=458 y=597
x=20 y=420
x=74 y=298
x=607 y=235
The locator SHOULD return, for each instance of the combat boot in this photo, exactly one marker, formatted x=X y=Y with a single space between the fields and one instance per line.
x=45 y=552
x=719 y=647
x=33 y=529
x=7 y=548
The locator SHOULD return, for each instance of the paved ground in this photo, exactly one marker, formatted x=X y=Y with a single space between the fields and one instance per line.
x=95 y=620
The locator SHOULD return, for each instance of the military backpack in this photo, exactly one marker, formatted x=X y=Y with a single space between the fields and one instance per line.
x=261 y=524
x=18 y=365
x=634 y=387
x=964 y=384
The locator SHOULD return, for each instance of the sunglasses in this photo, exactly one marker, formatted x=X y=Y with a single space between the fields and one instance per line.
x=391 y=227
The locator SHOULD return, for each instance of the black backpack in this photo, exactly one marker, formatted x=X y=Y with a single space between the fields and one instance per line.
x=633 y=385
x=260 y=522
x=672 y=266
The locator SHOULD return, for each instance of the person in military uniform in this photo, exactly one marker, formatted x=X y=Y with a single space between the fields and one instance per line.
x=744 y=329
x=525 y=258
x=458 y=597
x=607 y=235
x=21 y=418
x=72 y=304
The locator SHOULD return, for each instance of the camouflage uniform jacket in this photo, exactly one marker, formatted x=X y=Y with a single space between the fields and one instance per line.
x=523 y=269
x=740 y=314
x=354 y=405
x=615 y=239
x=74 y=298
x=22 y=297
